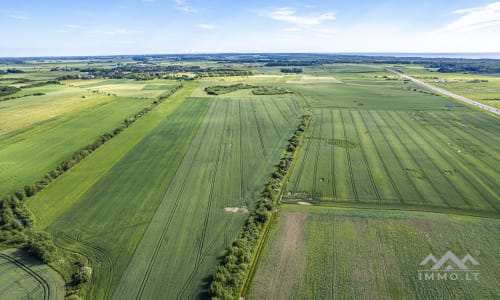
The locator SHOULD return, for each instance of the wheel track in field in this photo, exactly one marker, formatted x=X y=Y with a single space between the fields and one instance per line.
x=391 y=180
x=460 y=162
x=316 y=158
x=165 y=228
x=38 y=278
x=264 y=152
x=305 y=149
x=278 y=134
x=96 y=255
x=416 y=161
x=405 y=127
x=365 y=161
x=201 y=243
x=396 y=157
x=334 y=186
x=242 y=158
x=349 y=165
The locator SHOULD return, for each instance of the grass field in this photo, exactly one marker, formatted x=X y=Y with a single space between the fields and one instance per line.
x=330 y=253
x=192 y=160
x=22 y=277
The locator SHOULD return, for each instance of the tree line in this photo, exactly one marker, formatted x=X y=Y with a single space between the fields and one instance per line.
x=234 y=269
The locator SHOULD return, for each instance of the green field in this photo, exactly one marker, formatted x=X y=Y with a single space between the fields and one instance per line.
x=127 y=87
x=27 y=154
x=331 y=253
x=399 y=148
x=387 y=173
x=22 y=277
x=122 y=220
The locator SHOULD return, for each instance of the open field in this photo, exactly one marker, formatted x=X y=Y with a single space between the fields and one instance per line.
x=330 y=253
x=22 y=277
x=388 y=172
x=100 y=224
x=27 y=154
x=127 y=87
x=375 y=142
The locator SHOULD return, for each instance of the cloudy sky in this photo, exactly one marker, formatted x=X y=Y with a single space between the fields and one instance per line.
x=95 y=27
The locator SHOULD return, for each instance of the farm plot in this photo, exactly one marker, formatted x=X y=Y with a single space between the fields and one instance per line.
x=26 y=155
x=22 y=113
x=329 y=253
x=225 y=167
x=420 y=159
x=131 y=88
x=22 y=277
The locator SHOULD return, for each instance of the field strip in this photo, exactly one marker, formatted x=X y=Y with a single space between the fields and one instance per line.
x=168 y=221
x=349 y=163
x=333 y=177
x=261 y=138
x=365 y=160
x=316 y=158
x=381 y=160
x=396 y=156
x=412 y=208
x=447 y=93
x=213 y=178
x=96 y=165
x=263 y=103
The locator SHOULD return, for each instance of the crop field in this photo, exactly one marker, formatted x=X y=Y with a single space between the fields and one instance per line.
x=398 y=148
x=22 y=277
x=128 y=88
x=354 y=175
x=29 y=153
x=331 y=253
x=192 y=160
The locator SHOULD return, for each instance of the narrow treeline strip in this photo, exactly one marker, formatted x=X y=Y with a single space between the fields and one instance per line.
x=235 y=267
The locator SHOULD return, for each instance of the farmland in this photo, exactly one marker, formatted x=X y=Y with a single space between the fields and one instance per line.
x=23 y=277
x=387 y=146
x=382 y=167
x=201 y=141
x=334 y=253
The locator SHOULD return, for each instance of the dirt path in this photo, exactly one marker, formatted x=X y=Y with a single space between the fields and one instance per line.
x=447 y=93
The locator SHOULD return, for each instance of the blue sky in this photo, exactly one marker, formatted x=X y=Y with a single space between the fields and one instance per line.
x=96 y=27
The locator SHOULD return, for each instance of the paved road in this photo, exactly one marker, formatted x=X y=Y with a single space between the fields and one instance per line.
x=447 y=93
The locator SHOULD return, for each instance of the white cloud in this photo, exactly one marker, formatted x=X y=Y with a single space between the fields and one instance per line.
x=183 y=5
x=19 y=17
x=290 y=15
x=475 y=18
x=206 y=26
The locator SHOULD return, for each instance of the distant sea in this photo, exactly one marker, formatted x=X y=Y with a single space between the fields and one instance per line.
x=470 y=55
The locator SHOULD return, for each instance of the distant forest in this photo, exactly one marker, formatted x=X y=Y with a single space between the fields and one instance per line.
x=146 y=63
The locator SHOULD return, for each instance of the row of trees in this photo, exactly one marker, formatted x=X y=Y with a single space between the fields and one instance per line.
x=234 y=269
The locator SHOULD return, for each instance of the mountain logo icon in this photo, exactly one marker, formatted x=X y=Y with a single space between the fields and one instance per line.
x=449 y=262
